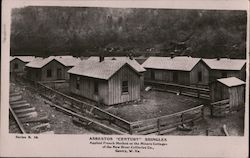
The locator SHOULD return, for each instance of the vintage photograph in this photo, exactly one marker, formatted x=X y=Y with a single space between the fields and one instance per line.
x=127 y=71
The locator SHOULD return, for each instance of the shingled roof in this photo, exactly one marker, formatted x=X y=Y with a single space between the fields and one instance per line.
x=65 y=60
x=181 y=63
x=131 y=62
x=25 y=59
x=231 y=81
x=225 y=64
x=101 y=70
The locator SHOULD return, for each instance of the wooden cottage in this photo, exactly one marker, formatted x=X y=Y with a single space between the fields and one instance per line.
x=224 y=67
x=179 y=70
x=106 y=81
x=51 y=69
x=230 y=88
x=131 y=61
x=17 y=64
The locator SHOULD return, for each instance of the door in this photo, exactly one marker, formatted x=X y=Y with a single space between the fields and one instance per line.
x=59 y=73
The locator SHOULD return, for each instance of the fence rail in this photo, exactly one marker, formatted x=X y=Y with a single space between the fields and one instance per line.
x=220 y=108
x=81 y=107
x=165 y=123
x=158 y=125
x=196 y=92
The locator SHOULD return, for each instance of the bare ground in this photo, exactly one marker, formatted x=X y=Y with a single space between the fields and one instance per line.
x=154 y=104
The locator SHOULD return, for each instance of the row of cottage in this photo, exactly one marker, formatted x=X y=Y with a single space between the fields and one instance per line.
x=114 y=80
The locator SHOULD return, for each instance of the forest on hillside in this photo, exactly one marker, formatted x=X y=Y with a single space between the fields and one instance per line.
x=83 y=31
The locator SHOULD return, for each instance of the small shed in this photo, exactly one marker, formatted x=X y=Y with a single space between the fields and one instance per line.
x=230 y=88
x=130 y=60
x=51 y=69
x=224 y=67
x=106 y=81
x=179 y=70
x=17 y=63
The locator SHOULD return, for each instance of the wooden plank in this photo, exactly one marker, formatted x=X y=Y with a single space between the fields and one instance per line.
x=144 y=123
x=176 y=85
x=153 y=130
x=225 y=130
x=168 y=116
x=43 y=119
x=221 y=102
x=15 y=98
x=20 y=106
x=221 y=106
x=144 y=128
x=40 y=127
x=31 y=109
x=167 y=130
x=168 y=126
x=28 y=115
x=15 y=94
x=18 y=102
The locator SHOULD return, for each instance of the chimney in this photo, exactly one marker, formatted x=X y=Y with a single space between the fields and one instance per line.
x=101 y=58
x=130 y=55
x=172 y=55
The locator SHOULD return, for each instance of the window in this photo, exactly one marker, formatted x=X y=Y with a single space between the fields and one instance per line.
x=152 y=75
x=224 y=74
x=49 y=73
x=199 y=76
x=78 y=83
x=15 y=66
x=96 y=87
x=124 y=86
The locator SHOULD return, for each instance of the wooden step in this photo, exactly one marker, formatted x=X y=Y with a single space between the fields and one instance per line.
x=43 y=119
x=14 y=94
x=32 y=109
x=20 y=106
x=28 y=115
x=15 y=98
x=18 y=102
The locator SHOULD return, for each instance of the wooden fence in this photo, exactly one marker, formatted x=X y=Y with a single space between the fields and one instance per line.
x=158 y=125
x=166 y=123
x=220 y=108
x=181 y=89
x=79 y=106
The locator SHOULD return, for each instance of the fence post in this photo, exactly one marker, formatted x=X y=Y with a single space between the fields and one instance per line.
x=203 y=112
x=182 y=120
x=198 y=93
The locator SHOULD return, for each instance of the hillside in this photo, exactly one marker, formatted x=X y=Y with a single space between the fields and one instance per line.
x=44 y=31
